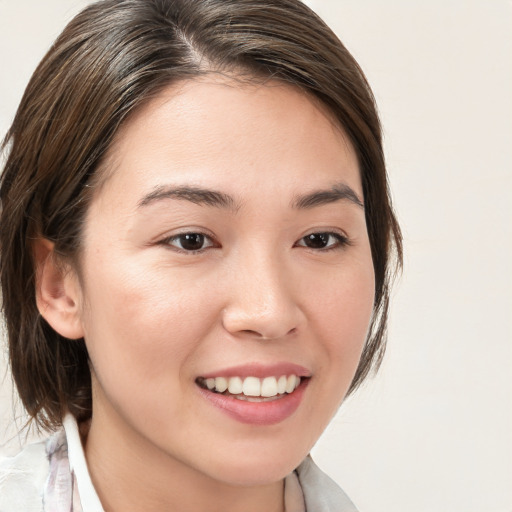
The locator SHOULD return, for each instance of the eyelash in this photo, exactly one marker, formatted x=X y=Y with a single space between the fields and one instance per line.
x=168 y=242
x=342 y=241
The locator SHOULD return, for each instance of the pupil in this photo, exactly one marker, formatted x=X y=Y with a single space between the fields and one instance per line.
x=317 y=240
x=192 y=241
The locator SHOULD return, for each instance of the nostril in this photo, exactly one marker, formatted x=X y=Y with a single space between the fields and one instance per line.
x=254 y=334
x=263 y=336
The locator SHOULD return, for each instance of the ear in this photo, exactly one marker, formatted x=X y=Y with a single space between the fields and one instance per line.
x=57 y=291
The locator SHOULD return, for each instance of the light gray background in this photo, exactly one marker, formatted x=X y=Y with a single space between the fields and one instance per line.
x=433 y=431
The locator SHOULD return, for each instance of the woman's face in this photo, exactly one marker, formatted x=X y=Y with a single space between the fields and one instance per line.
x=228 y=242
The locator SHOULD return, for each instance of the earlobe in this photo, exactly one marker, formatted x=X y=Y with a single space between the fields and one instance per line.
x=57 y=291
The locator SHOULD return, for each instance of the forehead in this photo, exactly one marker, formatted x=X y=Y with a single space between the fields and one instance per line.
x=239 y=133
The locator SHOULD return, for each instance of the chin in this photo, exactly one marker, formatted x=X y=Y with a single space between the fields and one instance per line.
x=256 y=475
x=257 y=467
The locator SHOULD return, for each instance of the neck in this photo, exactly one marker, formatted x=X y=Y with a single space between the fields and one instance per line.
x=131 y=474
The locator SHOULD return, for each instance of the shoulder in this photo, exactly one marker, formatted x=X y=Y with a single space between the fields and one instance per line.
x=22 y=479
x=321 y=493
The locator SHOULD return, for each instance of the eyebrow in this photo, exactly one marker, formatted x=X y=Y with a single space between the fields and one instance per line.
x=208 y=197
x=196 y=195
x=338 y=192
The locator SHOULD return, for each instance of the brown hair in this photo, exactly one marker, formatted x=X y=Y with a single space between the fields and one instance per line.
x=109 y=60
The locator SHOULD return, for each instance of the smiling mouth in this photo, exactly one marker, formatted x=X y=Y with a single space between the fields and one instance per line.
x=252 y=389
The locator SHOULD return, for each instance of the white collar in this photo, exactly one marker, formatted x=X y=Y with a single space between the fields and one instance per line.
x=78 y=465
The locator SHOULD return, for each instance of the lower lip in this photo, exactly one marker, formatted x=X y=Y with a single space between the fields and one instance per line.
x=258 y=413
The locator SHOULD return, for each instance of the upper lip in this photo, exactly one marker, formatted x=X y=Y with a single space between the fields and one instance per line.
x=260 y=371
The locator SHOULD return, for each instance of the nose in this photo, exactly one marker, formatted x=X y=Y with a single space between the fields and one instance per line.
x=262 y=303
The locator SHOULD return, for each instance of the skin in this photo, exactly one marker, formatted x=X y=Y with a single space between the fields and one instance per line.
x=155 y=317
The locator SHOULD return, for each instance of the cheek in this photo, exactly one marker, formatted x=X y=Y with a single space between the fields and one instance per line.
x=339 y=314
x=343 y=317
x=142 y=326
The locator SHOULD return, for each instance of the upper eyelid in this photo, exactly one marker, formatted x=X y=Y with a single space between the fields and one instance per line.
x=188 y=231
x=177 y=235
x=327 y=231
x=335 y=234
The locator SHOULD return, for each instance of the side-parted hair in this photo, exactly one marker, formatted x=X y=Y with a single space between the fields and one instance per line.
x=109 y=61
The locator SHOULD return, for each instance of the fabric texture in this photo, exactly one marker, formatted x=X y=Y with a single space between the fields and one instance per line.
x=52 y=476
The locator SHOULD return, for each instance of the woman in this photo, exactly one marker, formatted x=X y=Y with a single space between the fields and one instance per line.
x=197 y=243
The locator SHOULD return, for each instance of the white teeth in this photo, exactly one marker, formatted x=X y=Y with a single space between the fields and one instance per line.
x=290 y=383
x=221 y=384
x=281 y=384
x=253 y=387
x=235 y=385
x=269 y=386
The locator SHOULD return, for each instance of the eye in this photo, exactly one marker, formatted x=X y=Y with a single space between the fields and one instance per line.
x=189 y=242
x=323 y=241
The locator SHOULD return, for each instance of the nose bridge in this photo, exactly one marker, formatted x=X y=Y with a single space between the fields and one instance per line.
x=262 y=302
